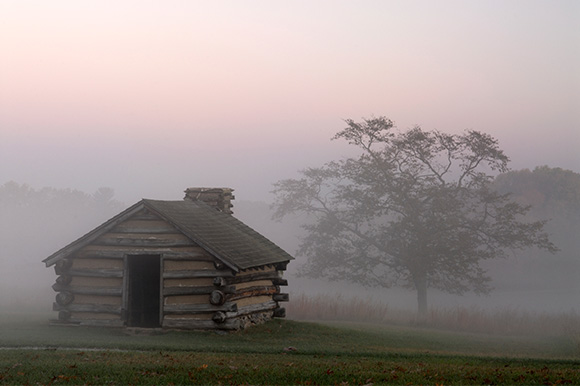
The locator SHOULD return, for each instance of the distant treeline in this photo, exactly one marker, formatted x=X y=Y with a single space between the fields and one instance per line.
x=37 y=222
x=554 y=196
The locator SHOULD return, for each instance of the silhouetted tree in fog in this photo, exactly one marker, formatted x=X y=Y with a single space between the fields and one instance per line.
x=414 y=209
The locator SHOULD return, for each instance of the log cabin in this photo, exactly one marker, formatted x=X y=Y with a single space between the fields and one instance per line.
x=187 y=264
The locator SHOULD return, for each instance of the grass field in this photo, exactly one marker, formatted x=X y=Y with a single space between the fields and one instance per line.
x=280 y=352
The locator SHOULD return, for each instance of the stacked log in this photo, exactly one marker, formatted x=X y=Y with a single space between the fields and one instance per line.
x=193 y=296
x=89 y=292
x=228 y=303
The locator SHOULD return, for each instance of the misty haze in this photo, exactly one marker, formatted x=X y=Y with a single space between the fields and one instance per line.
x=418 y=159
x=528 y=280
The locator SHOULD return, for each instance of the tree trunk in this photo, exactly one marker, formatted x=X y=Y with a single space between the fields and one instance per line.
x=421 y=287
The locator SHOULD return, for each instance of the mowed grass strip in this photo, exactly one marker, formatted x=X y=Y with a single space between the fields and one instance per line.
x=307 y=338
x=170 y=367
x=281 y=352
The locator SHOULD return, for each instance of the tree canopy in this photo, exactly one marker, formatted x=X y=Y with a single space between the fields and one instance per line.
x=415 y=209
x=551 y=192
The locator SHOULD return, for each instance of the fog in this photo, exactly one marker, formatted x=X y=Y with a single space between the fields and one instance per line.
x=149 y=99
x=31 y=232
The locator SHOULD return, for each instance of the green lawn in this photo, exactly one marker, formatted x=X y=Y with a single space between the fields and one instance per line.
x=280 y=352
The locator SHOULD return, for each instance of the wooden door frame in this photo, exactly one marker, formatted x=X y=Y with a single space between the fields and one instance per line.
x=125 y=311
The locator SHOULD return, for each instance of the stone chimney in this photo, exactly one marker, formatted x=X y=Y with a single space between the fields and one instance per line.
x=219 y=198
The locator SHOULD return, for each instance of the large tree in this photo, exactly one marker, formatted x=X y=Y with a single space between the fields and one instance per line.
x=414 y=209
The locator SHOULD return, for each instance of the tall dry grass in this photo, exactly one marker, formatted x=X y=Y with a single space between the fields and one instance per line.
x=337 y=307
x=507 y=321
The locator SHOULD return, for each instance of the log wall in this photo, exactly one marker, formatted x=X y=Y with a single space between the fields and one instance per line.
x=196 y=290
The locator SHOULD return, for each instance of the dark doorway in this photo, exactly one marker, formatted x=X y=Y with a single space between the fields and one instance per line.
x=144 y=292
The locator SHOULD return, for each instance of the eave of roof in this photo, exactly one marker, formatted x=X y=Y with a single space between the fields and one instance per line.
x=93 y=235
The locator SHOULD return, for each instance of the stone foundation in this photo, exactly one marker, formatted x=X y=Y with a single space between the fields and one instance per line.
x=254 y=319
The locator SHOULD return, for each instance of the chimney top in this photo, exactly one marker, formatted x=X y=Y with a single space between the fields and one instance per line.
x=219 y=198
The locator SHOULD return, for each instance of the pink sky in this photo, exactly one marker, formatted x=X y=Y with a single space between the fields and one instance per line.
x=152 y=97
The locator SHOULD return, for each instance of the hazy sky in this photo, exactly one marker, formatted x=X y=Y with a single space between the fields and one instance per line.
x=151 y=97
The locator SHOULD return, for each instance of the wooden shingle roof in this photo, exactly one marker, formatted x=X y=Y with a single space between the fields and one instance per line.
x=222 y=235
